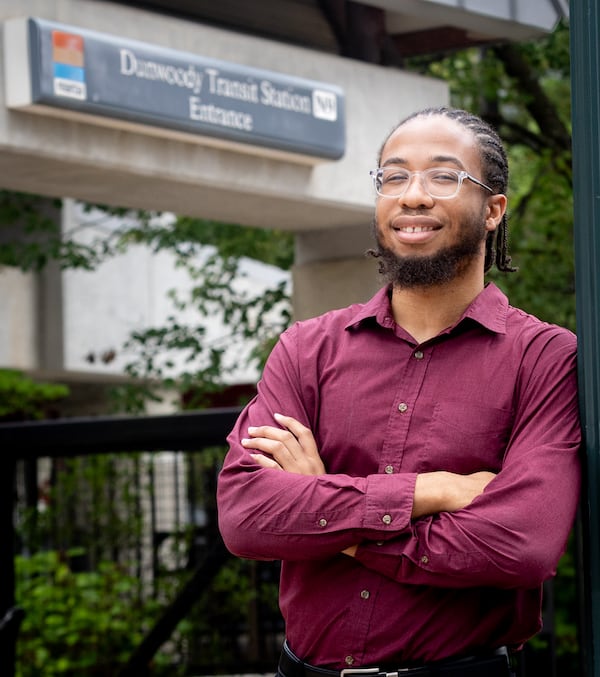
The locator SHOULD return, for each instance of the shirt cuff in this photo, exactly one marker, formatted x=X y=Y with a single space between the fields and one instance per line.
x=389 y=502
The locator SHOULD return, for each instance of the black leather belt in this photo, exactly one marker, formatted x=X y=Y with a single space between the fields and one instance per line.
x=496 y=664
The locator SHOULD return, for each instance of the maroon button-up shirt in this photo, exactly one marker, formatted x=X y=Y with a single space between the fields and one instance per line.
x=496 y=392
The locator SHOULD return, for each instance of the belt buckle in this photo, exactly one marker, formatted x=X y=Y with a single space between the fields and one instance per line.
x=346 y=672
x=372 y=671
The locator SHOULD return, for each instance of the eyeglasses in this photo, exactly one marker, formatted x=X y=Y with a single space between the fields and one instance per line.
x=441 y=183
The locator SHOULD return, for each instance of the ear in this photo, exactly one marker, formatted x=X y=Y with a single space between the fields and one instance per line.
x=496 y=206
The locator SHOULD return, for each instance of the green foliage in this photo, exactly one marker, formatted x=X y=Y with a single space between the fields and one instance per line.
x=226 y=610
x=31 y=237
x=77 y=622
x=88 y=607
x=86 y=601
x=186 y=237
x=218 y=291
x=541 y=240
x=233 y=241
x=22 y=398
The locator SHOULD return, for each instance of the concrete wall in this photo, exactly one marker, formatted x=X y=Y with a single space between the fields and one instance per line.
x=332 y=270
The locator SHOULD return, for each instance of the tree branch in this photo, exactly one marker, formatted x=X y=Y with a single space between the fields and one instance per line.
x=552 y=130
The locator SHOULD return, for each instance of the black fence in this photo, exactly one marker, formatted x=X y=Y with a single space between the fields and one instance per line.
x=134 y=499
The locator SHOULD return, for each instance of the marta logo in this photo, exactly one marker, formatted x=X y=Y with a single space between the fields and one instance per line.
x=69 y=65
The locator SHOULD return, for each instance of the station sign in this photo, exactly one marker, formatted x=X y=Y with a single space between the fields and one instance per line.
x=60 y=69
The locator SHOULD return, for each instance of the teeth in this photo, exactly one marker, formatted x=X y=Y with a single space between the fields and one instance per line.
x=416 y=229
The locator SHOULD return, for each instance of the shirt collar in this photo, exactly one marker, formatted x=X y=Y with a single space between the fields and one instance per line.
x=489 y=309
x=378 y=308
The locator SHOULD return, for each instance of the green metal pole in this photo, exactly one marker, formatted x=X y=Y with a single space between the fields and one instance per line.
x=585 y=71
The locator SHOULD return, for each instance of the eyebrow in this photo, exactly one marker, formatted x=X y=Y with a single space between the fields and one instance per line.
x=436 y=158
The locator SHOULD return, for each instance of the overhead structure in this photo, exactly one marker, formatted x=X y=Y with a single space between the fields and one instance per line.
x=381 y=30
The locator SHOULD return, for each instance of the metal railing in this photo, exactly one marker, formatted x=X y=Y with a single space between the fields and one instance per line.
x=185 y=436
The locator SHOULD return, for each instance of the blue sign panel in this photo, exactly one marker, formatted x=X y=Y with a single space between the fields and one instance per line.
x=94 y=73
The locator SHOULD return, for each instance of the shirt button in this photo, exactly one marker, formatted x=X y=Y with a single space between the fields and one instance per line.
x=389 y=469
x=365 y=594
x=424 y=559
x=349 y=660
x=386 y=519
x=322 y=522
x=419 y=355
x=402 y=407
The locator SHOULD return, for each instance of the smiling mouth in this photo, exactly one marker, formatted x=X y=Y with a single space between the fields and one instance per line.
x=415 y=229
x=415 y=224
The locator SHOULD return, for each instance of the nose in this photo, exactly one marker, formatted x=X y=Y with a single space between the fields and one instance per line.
x=415 y=194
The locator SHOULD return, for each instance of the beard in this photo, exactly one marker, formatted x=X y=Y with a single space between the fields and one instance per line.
x=435 y=269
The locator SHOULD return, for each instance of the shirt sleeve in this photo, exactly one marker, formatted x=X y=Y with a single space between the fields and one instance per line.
x=514 y=533
x=269 y=514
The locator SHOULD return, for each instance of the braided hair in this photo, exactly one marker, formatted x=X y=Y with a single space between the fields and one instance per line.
x=495 y=174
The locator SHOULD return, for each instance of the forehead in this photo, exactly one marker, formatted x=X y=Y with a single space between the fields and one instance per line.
x=423 y=139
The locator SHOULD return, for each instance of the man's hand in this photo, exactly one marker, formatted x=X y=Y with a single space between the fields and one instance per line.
x=291 y=448
x=443 y=492
x=447 y=492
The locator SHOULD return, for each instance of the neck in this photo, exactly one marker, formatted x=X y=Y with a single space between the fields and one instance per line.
x=426 y=311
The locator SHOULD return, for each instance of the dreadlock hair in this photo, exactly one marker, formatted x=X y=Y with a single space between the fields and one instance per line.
x=495 y=174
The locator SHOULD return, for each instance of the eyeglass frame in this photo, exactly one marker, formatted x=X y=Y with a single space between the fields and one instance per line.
x=461 y=174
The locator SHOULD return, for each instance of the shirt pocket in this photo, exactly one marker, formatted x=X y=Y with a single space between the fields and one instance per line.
x=466 y=437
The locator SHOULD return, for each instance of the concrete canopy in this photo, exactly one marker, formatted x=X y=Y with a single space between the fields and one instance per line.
x=408 y=27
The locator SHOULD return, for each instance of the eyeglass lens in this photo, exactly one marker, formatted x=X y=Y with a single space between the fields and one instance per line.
x=441 y=182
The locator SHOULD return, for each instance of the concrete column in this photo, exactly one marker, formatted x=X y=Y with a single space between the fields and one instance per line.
x=50 y=333
x=50 y=317
x=31 y=331
x=331 y=270
x=18 y=313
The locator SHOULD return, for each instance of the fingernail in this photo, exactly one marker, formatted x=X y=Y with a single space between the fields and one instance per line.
x=252 y=429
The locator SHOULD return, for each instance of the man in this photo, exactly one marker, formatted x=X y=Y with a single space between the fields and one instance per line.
x=413 y=461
